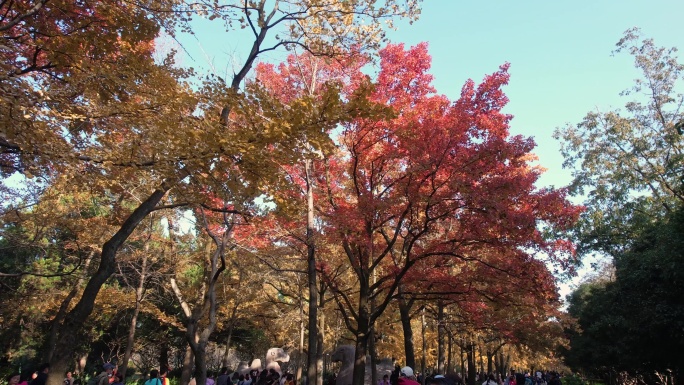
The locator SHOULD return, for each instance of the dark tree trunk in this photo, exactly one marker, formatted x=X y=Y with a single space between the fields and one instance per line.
x=405 y=314
x=62 y=312
x=69 y=331
x=471 y=363
x=362 y=333
x=497 y=364
x=139 y=291
x=200 y=363
x=373 y=355
x=188 y=361
x=490 y=362
x=313 y=288
x=206 y=307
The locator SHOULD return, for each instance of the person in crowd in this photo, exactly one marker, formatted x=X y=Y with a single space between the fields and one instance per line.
x=385 y=380
x=69 y=379
x=210 y=378
x=163 y=375
x=394 y=378
x=25 y=378
x=105 y=375
x=118 y=379
x=554 y=379
x=406 y=377
x=223 y=377
x=13 y=379
x=490 y=380
x=154 y=378
x=528 y=379
x=41 y=375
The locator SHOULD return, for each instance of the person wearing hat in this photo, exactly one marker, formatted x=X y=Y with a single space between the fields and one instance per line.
x=406 y=377
x=103 y=378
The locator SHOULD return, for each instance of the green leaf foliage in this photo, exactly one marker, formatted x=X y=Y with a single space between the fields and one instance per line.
x=636 y=322
x=628 y=163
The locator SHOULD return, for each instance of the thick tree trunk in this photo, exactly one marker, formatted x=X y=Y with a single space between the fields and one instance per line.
x=405 y=315
x=313 y=288
x=139 y=291
x=490 y=362
x=441 y=336
x=498 y=364
x=373 y=356
x=358 y=378
x=69 y=331
x=188 y=360
x=200 y=363
x=206 y=307
x=362 y=332
x=61 y=313
x=471 y=362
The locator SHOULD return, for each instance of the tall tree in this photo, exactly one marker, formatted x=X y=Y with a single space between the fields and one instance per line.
x=80 y=77
x=629 y=162
x=437 y=180
x=618 y=321
x=307 y=78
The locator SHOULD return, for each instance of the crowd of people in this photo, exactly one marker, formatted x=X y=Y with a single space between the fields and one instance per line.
x=253 y=377
x=405 y=376
x=400 y=376
x=108 y=376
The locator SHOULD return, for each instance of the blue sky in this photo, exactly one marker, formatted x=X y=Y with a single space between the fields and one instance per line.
x=560 y=55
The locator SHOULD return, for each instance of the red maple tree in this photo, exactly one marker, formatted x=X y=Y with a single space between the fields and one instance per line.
x=438 y=180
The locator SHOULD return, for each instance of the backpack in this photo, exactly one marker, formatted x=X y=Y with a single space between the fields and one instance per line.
x=154 y=381
x=96 y=379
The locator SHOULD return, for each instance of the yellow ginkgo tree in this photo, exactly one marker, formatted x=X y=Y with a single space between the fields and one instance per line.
x=85 y=105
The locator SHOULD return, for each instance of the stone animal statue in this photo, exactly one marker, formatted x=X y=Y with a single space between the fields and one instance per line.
x=345 y=355
x=243 y=367
x=273 y=357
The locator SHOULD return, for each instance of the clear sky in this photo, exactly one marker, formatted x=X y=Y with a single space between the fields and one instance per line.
x=560 y=55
